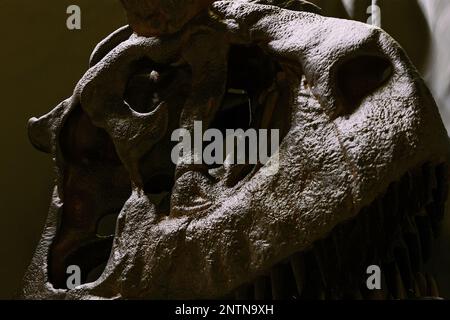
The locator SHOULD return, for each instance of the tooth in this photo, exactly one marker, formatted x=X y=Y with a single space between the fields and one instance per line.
x=321 y=265
x=321 y=295
x=262 y=288
x=442 y=175
x=437 y=208
x=314 y=287
x=430 y=182
x=420 y=187
x=329 y=259
x=385 y=293
x=415 y=195
x=337 y=245
x=436 y=212
x=245 y=292
x=433 y=290
x=376 y=221
x=417 y=292
x=357 y=295
x=426 y=236
x=422 y=213
x=390 y=210
x=411 y=237
x=395 y=282
x=277 y=278
x=404 y=265
x=421 y=283
x=364 y=222
x=298 y=269
x=405 y=189
x=395 y=198
x=381 y=294
x=400 y=292
x=406 y=182
x=353 y=247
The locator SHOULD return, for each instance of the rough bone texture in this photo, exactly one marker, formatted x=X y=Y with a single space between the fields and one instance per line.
x=159 y=17
x=358 y=129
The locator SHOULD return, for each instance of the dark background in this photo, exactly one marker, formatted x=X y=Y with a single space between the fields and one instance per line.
x=41 y=61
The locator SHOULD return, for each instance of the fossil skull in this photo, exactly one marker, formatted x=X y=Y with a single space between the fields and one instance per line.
x=363 y=158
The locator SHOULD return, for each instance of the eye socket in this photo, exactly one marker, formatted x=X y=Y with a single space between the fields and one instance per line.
x=143 y=91
x=361 y=76
x=150 y=84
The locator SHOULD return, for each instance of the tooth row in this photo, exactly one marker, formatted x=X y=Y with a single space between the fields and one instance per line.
x=395 y=232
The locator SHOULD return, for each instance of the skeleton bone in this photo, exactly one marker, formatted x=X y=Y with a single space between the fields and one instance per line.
x=159 y=17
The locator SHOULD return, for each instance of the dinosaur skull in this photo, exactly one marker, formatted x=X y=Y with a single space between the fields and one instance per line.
x=362 y=162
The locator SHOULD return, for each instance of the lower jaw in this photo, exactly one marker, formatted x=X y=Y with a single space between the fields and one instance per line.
x=395 y=232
